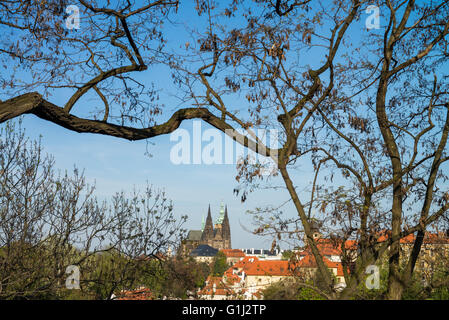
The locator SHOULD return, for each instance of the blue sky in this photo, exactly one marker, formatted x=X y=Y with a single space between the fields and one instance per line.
x=114 y=164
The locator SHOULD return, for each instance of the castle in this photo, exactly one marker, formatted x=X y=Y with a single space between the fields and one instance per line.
x=216 y=235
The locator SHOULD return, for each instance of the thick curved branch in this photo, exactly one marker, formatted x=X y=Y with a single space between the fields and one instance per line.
x=17 y=106
x=34 y=103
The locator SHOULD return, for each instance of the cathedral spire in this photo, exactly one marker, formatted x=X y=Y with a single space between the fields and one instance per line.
x=226 y=228
x=208 y=231
x=220 y=218
x=225 y=216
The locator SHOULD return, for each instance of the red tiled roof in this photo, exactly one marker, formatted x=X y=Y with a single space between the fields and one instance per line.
x=309 y=261
x=331 y=247
x=138 y=294
x=213 y=279
x=233 y=253
x=231 y=279
x=224 y=289
x=324 y=250
x=242 y=263
x=268 y=268
x=429 y=238
x=254 y=266
x=220 y=287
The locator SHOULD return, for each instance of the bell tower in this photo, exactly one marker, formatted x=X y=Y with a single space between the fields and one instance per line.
x=208 y=232
x=226 y=230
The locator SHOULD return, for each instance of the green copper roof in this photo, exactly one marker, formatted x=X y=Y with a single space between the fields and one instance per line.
x=221 y=216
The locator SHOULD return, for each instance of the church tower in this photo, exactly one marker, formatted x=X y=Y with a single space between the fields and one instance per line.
x=217 y=236
x=208 y=232
x=226 y=230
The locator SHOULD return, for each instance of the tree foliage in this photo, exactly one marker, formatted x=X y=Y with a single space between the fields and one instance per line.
x=219 y=264
x=49 y=221
x=368 y=110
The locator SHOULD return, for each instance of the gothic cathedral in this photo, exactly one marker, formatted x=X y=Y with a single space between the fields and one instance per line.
x=216 y=235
